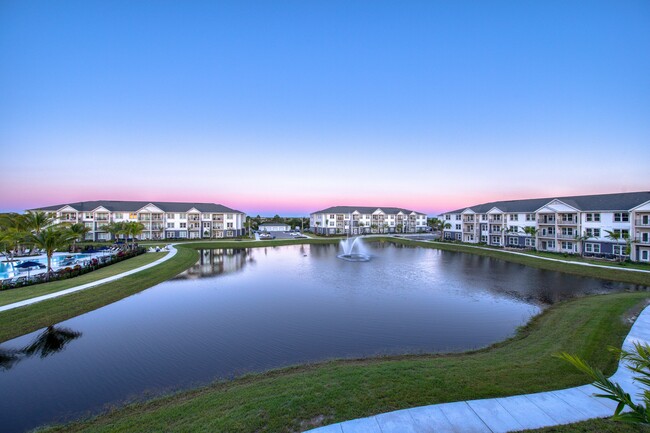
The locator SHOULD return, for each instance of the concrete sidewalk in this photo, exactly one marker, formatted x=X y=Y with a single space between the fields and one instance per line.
x=506 y=414
x=169 y=255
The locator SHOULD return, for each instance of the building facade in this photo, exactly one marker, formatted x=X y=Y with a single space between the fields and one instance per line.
x=356 y=220
x=274 y=227
x=588 y=224
x=161 y=220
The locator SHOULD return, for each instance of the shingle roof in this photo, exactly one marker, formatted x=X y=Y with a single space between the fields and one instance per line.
x=131 y=206
x=365 y=209
x=601 y=202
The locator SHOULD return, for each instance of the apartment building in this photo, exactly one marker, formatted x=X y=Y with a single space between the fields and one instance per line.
x=356 y=220
x=577 y=224
x=161 y=220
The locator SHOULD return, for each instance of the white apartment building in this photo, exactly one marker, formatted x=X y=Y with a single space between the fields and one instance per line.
x=161 y=220
x=578 y=224
x=356 y=220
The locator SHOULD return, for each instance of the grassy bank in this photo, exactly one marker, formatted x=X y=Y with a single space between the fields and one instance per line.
x=20 y=321
x=28 y=292
x=295 y=399
x=529 y=260
x=594 y=426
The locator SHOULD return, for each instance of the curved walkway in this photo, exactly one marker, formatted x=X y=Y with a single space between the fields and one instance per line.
x=169 y=255
x=507 y=414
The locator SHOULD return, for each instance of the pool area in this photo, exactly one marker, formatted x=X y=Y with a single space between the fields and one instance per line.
x=249 y=310
x=10 y=269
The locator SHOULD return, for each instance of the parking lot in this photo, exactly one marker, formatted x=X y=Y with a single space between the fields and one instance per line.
x=281 y=235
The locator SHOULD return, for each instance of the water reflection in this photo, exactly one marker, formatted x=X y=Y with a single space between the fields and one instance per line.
x=52 y=340
x=218 y=261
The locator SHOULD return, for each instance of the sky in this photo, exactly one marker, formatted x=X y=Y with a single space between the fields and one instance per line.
x=292 y=106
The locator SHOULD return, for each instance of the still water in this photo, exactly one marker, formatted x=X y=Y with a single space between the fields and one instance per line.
x=247 y=310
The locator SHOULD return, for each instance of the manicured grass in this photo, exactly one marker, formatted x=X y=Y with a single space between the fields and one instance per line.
x=23 y=320
x=298 y=398
x=595 y=426
x=22 y=293
x=587 y=271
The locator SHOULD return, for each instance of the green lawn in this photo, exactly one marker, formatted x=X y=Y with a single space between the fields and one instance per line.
x=291 y=399
x=23 y=320
x=595 y=426
x=22 y=293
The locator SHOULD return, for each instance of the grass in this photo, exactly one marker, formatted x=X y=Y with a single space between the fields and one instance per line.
x=20 y=321
x=302 y=397
x=22 y=293
x=595 y=426
x=530 y=260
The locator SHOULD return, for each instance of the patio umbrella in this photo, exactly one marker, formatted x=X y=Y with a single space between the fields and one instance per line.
x=28 y=266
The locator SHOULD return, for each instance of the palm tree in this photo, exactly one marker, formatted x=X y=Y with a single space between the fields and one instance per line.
x=50 y=240
x=37 y=221
x=115 y=229
x=581 y=241
x=614 y=236
x=399 y=227
x=79 y=230
x=134 y=229
x=532 y=232
x=13 y=232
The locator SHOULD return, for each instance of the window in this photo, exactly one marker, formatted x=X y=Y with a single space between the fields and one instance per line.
x=592 y=248
x=514 y=217
x=484 y=217
x=530 y=242
x=229 y=216
x=170 y=225
x=457 y=226
x=530 y=217
x=182 y=216
x=513 y=241
x=623 y=233
x=183 y=225
x=619 y=250
x=458 y=217
x=550 y=244
x=567 y=231
x=484 y=239
x=567 y=246
x=644 y=255
x=117 y=216
x=593 y=233
x=645 y=237
x=621 y=217
x=169 y=216
x=447 y=217
x=484 y=227
x=88 y=215
x=229 y=225
x=496 y=240
x=589 y=217
x=458 y=236
x=596 y=217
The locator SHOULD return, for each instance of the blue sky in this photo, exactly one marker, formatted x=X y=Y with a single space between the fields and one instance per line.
x=284 y=107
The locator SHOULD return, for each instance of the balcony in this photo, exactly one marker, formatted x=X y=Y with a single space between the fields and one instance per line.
x=157 y=226
x=567 y=222
x=495 y=221
x=642 y=222
x=566 y=237
x=547 y=235
x=546 y=221
x=496 y=231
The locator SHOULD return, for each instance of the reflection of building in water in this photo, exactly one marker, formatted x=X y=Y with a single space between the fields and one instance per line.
x=218 y=261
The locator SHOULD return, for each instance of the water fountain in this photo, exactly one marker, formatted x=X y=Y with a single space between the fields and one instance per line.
x=349 y=254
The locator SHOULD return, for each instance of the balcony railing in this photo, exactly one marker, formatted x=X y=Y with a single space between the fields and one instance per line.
x=546 y=235
x=563 y=236
x=547 y=221
x=639 y=239
x=641 y=222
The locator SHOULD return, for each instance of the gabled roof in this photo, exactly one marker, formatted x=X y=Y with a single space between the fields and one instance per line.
x=365 y=210
x=133 y=206
x=602 y=202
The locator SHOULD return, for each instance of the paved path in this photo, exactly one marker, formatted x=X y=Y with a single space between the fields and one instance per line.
x=506 y=414
x=169 y=255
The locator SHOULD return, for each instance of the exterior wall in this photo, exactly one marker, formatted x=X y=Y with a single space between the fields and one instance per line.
x=355 y=223
x=158 y=224
x=559 y=227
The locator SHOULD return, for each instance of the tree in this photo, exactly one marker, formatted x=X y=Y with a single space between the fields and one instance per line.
x=614 y=236
x=79 y=230
x=116 y=229
x=639 y=363
x=581 y=241
x=50 y=240
x=134 y=228
x=37 y=221
x=532 y=232
x=13 y=232
x=399 y=227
